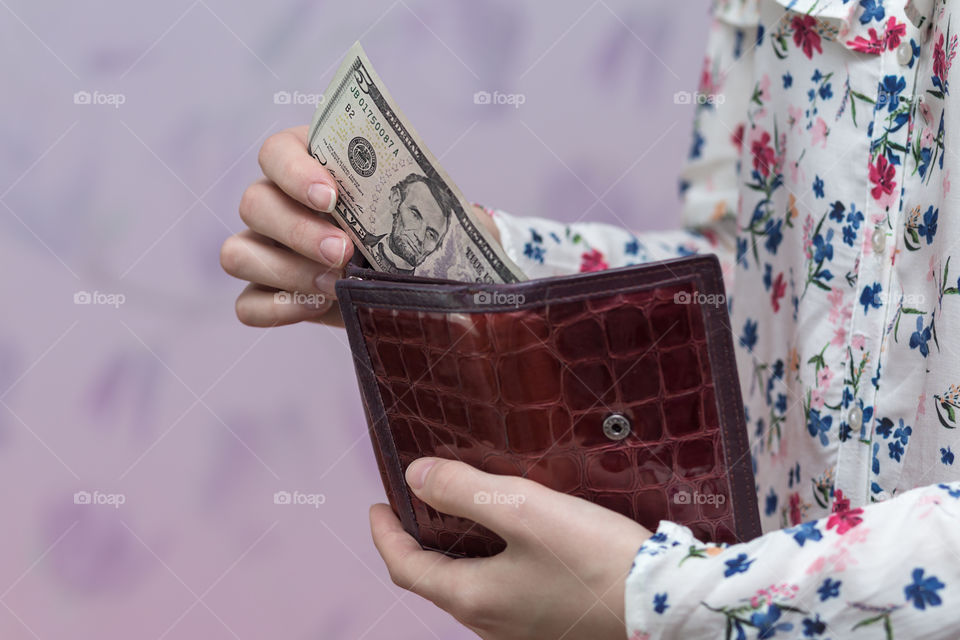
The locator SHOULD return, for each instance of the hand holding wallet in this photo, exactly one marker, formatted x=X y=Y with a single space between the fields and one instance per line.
x=617 y=386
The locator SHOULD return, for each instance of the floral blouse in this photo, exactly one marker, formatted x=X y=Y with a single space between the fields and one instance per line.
x=820 y=173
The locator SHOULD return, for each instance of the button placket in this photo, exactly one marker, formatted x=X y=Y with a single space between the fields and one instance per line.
x=855 y=456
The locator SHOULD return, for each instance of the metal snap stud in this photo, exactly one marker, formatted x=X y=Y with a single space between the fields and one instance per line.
x=616 y=426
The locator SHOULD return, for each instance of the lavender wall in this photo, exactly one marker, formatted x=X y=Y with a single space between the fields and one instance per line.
x=165 y=401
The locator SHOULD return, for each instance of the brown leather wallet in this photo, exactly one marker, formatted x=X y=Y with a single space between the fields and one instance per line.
x=618 y=386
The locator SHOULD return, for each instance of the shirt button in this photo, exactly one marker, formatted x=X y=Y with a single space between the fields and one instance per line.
x=855 y=418
x=879 y=240
x=904 y=53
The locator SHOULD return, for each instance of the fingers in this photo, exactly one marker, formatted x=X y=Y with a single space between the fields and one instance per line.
x=261 y=307
x=286 y=161
x=497 y=502
x=269 y=212
x=429 y=574
x=249 y=256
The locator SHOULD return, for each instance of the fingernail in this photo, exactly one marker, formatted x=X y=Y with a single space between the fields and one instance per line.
x=326 y=281
x=333 y=249
x=322 y=196
x=417 y=471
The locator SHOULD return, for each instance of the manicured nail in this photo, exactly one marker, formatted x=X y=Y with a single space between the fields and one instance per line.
x=322 y=196
x=417 y=472
x=333 y=249
x=326 y=281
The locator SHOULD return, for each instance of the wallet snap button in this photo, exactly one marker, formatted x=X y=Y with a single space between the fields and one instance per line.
x=616 y=426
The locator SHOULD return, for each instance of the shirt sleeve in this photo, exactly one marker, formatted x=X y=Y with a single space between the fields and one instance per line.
x=708 y=182
x=891 y=569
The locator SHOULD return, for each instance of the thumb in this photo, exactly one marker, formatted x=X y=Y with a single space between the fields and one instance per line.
x=458 y=489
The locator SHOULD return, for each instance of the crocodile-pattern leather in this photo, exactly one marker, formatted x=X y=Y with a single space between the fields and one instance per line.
x=524 y=390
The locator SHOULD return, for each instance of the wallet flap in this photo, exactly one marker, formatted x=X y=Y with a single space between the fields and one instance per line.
x=525 y=379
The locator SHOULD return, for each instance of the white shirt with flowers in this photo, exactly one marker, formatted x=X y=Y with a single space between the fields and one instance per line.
x=822 y=179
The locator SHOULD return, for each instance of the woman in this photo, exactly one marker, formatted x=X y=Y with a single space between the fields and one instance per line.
x=820 y=173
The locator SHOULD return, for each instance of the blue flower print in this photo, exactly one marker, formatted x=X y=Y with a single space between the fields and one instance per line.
x=896 y=450
x=749 y=337
x=771 y=503
x=920 y=338
x=660 y=602
x=813 y=628
x=822 y=249
x=928 y=228
x=870 y=297
x=923 y=591
x=774 y=235
x=818 y=186
x=806 y=531
x=819 y=426
x=872 y=10
x=740 y=564
x=829 y=589
x=889 y=93
x=534 y=252
x=767 y=623
x=946 y=456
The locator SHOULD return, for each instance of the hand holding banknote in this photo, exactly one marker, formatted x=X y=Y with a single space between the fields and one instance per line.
x=292 y=246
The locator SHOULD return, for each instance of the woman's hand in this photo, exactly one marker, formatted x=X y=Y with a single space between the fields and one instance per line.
x=292 y=245
x=561 y=575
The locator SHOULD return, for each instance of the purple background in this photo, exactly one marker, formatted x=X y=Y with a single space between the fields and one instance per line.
x=167 y=399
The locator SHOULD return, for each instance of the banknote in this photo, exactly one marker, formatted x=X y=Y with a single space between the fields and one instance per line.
x=396 y=202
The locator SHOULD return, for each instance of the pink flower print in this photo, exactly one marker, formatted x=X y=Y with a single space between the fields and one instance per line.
x=858 y=341
x=881 y=176
x=839 y=336
x=818 y=134
x=796 y=114
x=593 y=260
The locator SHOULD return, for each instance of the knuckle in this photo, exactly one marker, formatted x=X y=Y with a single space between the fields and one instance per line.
x=231 y=253
x=245 y=311
x=251 y=201
x=302 y=235
x=269 y=149
x=444 y=482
